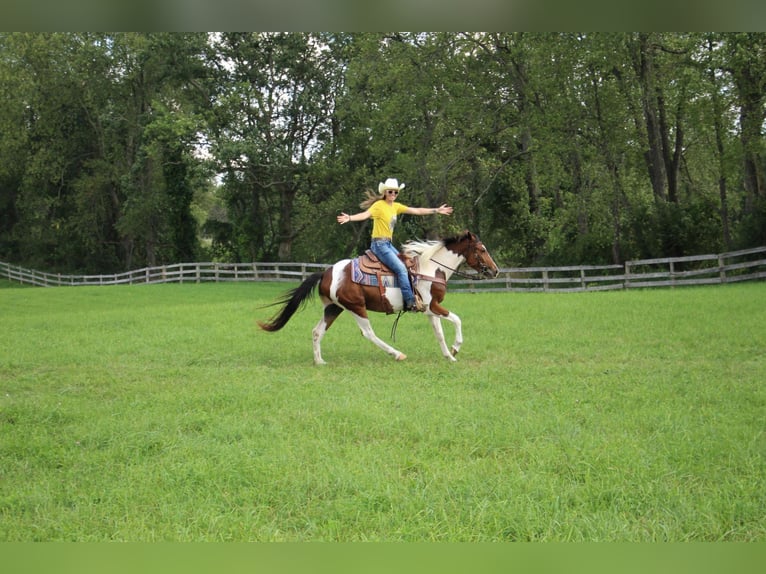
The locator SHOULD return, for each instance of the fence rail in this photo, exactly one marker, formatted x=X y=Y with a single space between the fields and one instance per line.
x=735 y=266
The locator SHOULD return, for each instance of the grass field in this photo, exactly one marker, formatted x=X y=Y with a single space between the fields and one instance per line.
x=162 y=412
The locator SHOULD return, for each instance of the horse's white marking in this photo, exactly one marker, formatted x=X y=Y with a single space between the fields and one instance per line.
x=394 y=296
x=337 y=276
x=432 y=256
x=366 y=328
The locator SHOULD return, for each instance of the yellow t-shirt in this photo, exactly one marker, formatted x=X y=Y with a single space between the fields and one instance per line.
x=384 y=218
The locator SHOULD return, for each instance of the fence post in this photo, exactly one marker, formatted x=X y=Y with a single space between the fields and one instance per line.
x=545 y=280
x=721 y=269
x=627 y=275
x=672 y=274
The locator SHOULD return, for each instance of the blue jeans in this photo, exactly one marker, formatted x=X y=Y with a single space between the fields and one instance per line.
x=389 y=255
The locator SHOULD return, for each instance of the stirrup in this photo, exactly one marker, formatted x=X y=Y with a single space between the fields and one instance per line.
x=418 y=306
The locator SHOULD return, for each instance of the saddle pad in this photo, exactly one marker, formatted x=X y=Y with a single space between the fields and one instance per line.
x=362 y=278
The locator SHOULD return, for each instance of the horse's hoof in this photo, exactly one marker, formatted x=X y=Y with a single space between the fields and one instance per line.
x=455 y=351
x=401 y=357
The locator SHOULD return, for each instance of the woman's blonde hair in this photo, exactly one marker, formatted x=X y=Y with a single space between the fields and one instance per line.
x=371 y=197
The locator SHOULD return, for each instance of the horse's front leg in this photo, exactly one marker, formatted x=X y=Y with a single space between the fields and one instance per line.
x=436 y=324
x=458 y=332
x=369 y=334
x=436 y=312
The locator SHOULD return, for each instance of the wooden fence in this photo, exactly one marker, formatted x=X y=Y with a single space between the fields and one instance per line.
x=744 y=265
x=176 y=273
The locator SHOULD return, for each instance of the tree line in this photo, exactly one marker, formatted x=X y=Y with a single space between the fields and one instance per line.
x=129 y=149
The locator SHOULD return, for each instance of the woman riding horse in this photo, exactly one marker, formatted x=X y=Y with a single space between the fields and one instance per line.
x=384 y=209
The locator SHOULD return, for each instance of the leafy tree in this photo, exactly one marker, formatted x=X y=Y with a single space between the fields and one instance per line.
x=746 y=63
x=103 y=119
x=271 y=118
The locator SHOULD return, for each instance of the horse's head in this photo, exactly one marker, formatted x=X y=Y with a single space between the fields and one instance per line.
x=469 y=246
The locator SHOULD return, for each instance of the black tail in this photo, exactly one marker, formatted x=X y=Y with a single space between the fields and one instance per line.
x=292 y=301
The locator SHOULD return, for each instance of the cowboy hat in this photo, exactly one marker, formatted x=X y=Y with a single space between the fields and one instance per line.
x=390 y=183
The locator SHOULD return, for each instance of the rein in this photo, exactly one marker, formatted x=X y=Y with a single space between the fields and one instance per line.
x=393 y=327
x=455 y=271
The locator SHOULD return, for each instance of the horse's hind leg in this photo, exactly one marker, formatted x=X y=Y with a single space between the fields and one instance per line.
x=366 y=327
x=331 y=312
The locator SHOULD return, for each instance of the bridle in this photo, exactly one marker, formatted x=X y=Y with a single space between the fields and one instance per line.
x=483 y=269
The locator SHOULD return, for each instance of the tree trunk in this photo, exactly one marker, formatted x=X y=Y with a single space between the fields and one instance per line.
x=751 y=118
x=655 y=163
x=720 y=154
x=286 y=231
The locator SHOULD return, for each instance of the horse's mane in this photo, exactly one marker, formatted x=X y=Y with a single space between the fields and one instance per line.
x=426 y=249
x=422 y=249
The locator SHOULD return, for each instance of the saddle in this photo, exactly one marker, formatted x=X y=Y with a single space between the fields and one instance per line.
x=369 y=270
x=369 y=263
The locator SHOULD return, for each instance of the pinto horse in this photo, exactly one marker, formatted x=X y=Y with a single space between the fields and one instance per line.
x=435 y=262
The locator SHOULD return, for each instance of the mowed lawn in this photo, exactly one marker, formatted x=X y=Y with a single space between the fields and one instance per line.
x=144 y=413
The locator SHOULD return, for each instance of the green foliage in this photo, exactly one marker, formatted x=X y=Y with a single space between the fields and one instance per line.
x=753 y=228
x=555 y=147
x=162 y=413
x=98 y=188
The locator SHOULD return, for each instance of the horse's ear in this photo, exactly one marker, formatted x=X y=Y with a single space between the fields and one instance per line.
x=466 y=234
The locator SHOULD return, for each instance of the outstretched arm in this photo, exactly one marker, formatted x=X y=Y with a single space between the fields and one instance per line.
x=345 y=217
x=443 y=209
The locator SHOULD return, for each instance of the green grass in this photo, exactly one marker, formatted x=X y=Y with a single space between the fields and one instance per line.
x=162 y=412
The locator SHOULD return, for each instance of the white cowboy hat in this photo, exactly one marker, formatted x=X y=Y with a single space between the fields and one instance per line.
x=390 y=183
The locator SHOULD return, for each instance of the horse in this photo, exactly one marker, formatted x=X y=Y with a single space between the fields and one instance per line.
x=435 y=262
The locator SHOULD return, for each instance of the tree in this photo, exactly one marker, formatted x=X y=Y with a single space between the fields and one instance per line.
x=103 y=118
x=48 y=116
x=271 y=119
x=746 y=63
x=158 y=87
